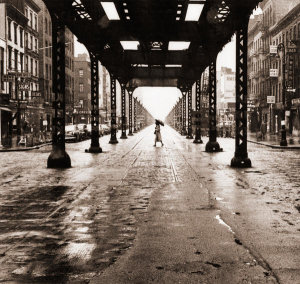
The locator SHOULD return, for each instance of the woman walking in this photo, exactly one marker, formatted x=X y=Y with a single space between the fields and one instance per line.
x=157 y=133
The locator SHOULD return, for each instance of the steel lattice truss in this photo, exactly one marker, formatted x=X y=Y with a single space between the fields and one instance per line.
x=58 y=39
x=130 y=93
x=212 y=102
x=94 y=101
x=241 y=92
x=153 y=23
x=113 y=101
x=190 y=112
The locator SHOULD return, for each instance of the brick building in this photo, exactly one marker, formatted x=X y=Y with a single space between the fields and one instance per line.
x=264 y=81
x=82 y=94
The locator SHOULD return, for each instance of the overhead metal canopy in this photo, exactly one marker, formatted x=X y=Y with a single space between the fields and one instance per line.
x=153 y=24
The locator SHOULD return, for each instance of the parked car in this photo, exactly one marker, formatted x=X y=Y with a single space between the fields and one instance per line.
x=85 y=130
x=104 y=128
x=72 y=133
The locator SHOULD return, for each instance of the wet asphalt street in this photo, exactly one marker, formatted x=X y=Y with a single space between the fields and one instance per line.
x=143 y=214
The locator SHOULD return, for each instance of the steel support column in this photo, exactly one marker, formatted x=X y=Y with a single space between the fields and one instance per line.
x=113 y=101
x=212 y=145
x=198 y=139
x=95 y=146
x=183 y=130
x=134 y=115
x=180 y=115
x=240 y=158
x=189 y=114
x=130 y=93
x=123 y=112
x=58 y=157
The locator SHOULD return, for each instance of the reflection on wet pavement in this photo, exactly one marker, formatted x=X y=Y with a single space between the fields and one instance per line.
x=67 y=226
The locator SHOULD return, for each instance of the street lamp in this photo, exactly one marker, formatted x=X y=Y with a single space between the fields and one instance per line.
x=281 y=51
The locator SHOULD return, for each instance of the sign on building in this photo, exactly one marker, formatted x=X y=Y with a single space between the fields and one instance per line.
x=273 y=49
x=270 y=99
x=273 y=72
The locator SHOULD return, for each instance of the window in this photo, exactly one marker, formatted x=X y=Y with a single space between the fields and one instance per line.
x=35 y=45
x=81 y=73
x=30 y=20
x=1 y=67
x=50 y=28
x=81 y=88
x=50 y=72
x=35 y=23
x=31 y=66
x=26 y=63
x=31 y=42
x=46 y=48
x=16 y=60
x=26 y=40
x=46 y=26
x=21 y=61
x=26 y=13
x=46 y=68
x=36 y=68
x=16 y=33
x=9 y=29
x=21 y=37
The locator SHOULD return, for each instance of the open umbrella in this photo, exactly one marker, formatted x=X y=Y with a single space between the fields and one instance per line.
x=160 y=122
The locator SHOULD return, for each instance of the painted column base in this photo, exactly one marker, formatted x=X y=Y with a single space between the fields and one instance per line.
x=212 y=147
x=123 y=136
x=113 y=141
x=240 y=162
x=130 y=133
x=94 y=149
x=59 y=159
x=198 y=141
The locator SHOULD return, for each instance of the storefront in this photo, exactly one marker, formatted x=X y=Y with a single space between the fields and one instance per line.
x=5 y=121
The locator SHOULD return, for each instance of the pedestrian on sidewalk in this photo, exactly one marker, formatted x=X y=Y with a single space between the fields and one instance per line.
x=263 y=129
x=157 y=133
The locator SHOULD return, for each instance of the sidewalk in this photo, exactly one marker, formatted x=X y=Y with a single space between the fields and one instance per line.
x=273 y=141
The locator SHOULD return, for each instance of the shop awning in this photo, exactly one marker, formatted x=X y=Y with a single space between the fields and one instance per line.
x=5 y=108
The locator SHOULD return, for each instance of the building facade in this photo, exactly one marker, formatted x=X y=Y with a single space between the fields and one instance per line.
x=82 y=94
x=265 y=67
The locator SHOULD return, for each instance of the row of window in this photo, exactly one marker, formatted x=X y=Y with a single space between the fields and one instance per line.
x=18 y=62
x=32 y=18
x=15 y=35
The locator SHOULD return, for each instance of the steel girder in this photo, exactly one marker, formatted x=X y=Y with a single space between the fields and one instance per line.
x=183 y=130
x=123 y=111
x=58 y=157
x=95 y=145
x=212 y=145
x=153 y=24
x=198 y=139
x=130 y=93
x=134 y=115
x=113 y=101
x=240 y=158
x=189 y=114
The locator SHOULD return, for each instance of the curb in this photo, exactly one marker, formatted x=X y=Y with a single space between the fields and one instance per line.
x=275 y=146
x=24 y=149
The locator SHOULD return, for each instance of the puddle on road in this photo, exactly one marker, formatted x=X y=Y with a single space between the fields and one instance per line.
x=224 y=224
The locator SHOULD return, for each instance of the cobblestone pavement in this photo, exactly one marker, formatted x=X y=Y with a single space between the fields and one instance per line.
x=143 y=214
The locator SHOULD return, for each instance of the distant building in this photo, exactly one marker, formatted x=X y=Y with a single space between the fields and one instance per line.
x=266 y=32
x=104 y=95
x=82 y=94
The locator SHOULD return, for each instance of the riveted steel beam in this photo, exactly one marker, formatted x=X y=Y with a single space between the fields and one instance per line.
x=189 y=114
x=212 y=145
x=130 y=93
x=240 y=158
x=58 y=157
x=134 y=115
x=123 y=112
x=95 y=145
x=113 y=101
x=198 y=139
